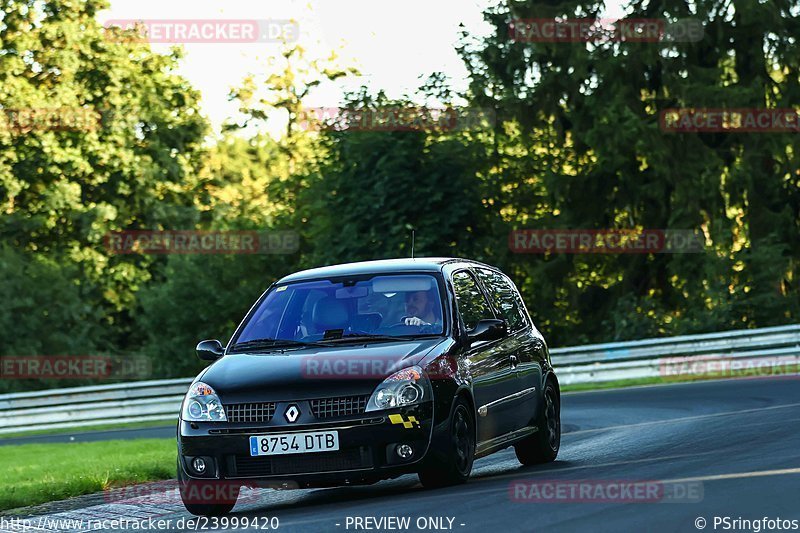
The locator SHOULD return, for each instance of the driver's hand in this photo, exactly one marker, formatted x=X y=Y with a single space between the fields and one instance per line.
x=414 y=321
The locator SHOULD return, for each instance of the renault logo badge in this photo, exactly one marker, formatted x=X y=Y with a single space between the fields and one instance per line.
x=292 y=413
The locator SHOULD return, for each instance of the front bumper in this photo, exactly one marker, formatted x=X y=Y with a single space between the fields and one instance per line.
x=367 y=449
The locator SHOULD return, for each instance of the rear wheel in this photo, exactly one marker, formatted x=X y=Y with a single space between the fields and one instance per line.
x=461 y=453
x=542 y=446
x=206 y=497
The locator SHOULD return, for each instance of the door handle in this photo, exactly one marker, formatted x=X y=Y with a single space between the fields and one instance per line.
x=514 y=362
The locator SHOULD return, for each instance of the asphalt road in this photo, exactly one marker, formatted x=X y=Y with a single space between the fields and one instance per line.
x=158 y=432
x=712 y=449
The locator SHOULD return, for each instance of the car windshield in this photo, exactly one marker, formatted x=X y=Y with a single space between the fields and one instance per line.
x=374 y=308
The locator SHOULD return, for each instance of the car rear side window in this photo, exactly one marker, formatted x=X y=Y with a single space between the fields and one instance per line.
x=472 y=305
x=505 y=298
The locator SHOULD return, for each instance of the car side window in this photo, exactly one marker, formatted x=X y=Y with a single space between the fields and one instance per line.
x=472 y=305
x=505 y=298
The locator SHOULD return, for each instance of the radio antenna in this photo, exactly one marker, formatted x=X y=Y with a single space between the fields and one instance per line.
x=413 y=232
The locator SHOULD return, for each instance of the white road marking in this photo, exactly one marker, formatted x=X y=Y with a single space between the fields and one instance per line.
x=739 y=475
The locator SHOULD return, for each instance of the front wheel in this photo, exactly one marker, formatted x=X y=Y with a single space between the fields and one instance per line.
x=461 y=454
x=542 y=446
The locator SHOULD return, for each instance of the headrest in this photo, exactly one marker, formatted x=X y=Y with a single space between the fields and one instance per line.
x=330 y=313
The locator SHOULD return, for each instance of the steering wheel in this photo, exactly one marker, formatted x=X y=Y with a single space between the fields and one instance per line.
x=402 y=328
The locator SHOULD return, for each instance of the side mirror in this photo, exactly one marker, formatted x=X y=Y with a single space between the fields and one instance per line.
x=209 y=350
x=488 y=329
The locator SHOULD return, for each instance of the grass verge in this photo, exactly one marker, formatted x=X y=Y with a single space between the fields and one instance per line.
x=618 y=384
x=622 y=383
x=39 y=473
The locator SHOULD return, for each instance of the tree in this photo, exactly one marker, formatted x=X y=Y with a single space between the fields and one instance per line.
x=127 y=164
x=45 y=312
x=290 y=79
x=249 y=183
x=377 y=186
x=580 y=135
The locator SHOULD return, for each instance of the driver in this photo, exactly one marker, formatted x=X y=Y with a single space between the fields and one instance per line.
x=420 y=308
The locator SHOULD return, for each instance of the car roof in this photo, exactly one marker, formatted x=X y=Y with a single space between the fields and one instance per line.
x=418 y=264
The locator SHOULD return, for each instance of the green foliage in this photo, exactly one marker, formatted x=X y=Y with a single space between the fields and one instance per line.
x=244 y=184
x=43 y=301
x=45 y=312
x=576 y=144
x=127 y=166
x=581 y=138
x=377 y=186
x=200 y=297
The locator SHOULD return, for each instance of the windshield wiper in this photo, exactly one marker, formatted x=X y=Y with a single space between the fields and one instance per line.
x=363 y=336
x=258 y=344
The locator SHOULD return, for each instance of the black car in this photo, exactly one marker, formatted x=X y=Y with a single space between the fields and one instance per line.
x=354 y=373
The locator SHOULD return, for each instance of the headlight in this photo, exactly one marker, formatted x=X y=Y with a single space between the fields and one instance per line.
x=202 y=405
x=406 y=387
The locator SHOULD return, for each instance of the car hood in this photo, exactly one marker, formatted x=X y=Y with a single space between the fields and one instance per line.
x=311 y=372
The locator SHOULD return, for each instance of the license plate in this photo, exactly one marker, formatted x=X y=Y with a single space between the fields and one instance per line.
x=286 y=443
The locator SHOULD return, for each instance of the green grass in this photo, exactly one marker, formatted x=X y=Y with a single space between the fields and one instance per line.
x=622 y=383
x=39 y=473
x=99 y=427
x=618 y=384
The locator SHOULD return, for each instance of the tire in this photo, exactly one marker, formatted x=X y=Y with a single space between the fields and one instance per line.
x=202 y=497
x=542 y=446
x=457 y=466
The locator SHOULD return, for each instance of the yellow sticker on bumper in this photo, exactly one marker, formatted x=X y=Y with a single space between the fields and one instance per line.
x=407 y=423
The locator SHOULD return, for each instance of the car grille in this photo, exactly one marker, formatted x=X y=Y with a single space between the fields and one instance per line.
x=350 y=459
x=250 y=412
x=344 y=406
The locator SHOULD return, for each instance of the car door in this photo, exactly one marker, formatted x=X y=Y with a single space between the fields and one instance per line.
x=490 y=368
x=523 y=346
